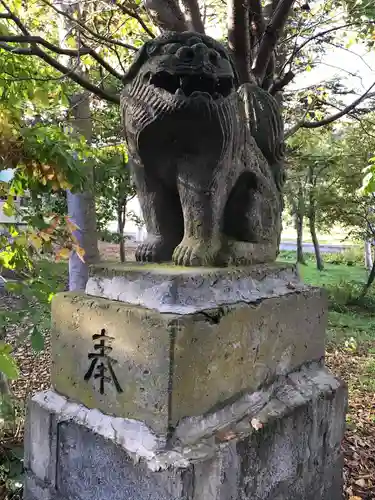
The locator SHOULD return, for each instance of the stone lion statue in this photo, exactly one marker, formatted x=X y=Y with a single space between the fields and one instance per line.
x=206 y=155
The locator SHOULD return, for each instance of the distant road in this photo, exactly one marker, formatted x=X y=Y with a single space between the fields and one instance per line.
x=309 y=247
x=284 y=245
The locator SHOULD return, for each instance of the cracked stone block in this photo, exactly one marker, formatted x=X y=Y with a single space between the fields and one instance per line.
x=294 y=454
x=160 y=366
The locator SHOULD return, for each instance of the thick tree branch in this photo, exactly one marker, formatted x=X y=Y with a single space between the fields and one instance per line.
x=258 y=25
x=193 y=15
x=16 y=50
x=239 y=37
x=167 y=14
x=280 y=83
x=36 y=51
x=332 y=118
x=270 y=38
x=269 y=9
x=58 y=50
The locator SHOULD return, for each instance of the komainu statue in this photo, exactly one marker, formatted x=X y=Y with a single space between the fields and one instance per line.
x=206 y=155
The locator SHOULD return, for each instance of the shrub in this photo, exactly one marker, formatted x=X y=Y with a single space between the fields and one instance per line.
x=348 y=294
x=350 y=257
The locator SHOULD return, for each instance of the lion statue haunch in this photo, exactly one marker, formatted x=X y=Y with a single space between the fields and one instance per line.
x=206 y=155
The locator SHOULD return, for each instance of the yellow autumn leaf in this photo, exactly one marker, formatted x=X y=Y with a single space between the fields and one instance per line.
x=45 y=236
x=80 y=252
x=71 y=225
x=65 y=185
x=36 y=241
x=63 y=253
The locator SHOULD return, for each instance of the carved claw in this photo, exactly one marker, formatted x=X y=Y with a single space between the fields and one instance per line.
x=193 y=253
x=153 y=250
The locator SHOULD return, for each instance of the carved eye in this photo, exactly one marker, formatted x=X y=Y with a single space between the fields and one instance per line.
x=171 y=48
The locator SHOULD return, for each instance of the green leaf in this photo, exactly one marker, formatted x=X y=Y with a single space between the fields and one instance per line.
x=41 y=95
x=8 y=209
x=8 y=365
x=37 y=340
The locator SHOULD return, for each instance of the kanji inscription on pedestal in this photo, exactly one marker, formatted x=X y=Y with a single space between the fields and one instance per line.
x=102 y=363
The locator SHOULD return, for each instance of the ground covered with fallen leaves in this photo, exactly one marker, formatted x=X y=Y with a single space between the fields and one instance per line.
x=358 y=370
x=351 y=356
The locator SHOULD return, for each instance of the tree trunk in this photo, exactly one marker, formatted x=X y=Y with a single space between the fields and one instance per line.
x=81 y=206
x=264 y=62
x=370 y=280
x=299 y=228
x=121 y=218
x=239 y=37
x=368 y=255
x=167 y=14
x=299 y=212
x=312 y=219
x=319 y=260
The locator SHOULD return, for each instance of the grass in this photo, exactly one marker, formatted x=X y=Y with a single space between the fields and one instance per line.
x=349 y=317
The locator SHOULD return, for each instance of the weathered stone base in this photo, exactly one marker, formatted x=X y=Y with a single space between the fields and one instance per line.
x=182 y=360
x=279 y=443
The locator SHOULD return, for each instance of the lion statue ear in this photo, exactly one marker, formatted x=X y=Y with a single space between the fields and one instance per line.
x=141 y=57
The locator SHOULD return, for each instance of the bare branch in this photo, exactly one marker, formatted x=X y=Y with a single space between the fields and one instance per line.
x=193 y=15
x=95 y=35
x=134 y=15
x=103 y=63
x=332 y=118
x=320 y=34
x=270 y=38
x=167 y=14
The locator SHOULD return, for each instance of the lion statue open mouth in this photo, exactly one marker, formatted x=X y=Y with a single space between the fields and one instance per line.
x=206 y=155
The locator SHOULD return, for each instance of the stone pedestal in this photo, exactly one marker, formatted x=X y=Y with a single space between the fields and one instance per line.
x=188 y=385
